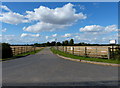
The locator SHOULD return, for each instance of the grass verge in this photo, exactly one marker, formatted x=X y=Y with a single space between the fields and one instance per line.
x=23 y=55
x=84 y=58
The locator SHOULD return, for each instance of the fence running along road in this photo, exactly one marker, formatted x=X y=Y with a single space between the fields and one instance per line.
x=16 y=50
x=89 y=51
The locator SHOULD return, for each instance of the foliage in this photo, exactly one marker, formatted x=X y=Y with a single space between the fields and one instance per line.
x=71 y=42
x=117 y=54
x=66 y=42
x=6 y=50
x=58 y=44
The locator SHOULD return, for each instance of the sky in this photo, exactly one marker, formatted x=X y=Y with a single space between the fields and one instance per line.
x=39 y=22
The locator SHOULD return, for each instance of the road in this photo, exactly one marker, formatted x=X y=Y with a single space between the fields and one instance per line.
x=46 y=68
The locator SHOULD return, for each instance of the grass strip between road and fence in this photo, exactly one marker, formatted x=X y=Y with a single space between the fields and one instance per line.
x=84 y=58
x=23 y=55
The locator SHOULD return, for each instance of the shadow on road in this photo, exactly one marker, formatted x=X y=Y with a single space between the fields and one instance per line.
x=95 y=84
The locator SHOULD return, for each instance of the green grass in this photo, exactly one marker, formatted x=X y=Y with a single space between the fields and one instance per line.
x=84 y=58
x=22 y=55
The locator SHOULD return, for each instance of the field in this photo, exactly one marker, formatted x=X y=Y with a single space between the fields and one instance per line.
x=88 y=51
x=23 y=49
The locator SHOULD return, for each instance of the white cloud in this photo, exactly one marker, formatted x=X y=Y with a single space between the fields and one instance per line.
x=53 y=19
x=5 y=8
x=91 y=28
x=102 y=36
x=11 y=17
x=67 y=35
x=46 y=37
x=111 y=28
x=54 y=35
x=4 y=29
x=41 y=26
x=51 y=40
x=48 y=19
x=30 y=35
x=98 y=28
x=82 y=7
x=64 y=15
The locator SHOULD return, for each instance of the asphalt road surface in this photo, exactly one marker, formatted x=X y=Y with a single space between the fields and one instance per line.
x=47 y=69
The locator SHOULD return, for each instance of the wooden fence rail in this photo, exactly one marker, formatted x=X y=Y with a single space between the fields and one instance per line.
x=88 y=51
x=16 y=50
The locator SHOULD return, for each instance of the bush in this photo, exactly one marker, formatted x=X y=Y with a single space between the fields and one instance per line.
x=6 y=50
x=117 y=54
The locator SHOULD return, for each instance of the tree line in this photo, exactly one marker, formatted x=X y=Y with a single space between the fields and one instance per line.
x=63 y=43
x=68 y=43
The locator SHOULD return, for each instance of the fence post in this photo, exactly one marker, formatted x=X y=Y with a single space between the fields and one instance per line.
x=13 y=51
x=73 y=50
x=85 y=51
x=96 y=52
x=34 y=48
x=24 y=50
x=109 y=53
x=31 y=49
x=66 y=49
x=79 y=51
x=21 y=49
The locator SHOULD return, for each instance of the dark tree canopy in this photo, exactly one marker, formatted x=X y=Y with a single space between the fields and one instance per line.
x=66 y=42
x=71 y=42
x=6 y=50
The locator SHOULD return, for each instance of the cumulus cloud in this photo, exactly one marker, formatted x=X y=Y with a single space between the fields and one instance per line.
x=48 y=19
x=91 y=28
x=4 y=29
x=53 y=19
x=41 y=26
x=111 y=28
x=67 y=35
x=4 y=7
x=11 y=17
x=100 y=34
x=64 y=15
x=30 y=35
x=54 y=35
x=98 y=28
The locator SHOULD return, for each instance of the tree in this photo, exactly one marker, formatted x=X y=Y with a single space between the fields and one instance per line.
x=53 y=43
x=48 y=44
x=66 y=42
x=58 y=44
x=71 y=42
x=6 y=50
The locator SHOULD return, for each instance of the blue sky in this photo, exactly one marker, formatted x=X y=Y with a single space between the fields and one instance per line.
x=90 y=22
